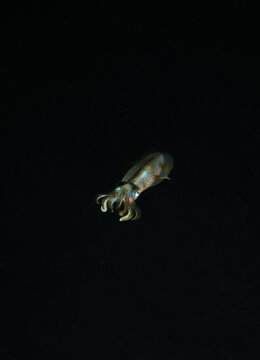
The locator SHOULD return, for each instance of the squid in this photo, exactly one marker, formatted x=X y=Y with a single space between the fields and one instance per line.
x=148 y=172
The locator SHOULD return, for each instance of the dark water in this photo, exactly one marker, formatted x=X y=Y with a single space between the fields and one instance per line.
x=88 y=90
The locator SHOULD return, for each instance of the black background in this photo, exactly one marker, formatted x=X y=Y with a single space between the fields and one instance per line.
x=88 y=90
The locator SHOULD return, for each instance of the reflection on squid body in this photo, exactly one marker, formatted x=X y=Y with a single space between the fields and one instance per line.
x=149 y=171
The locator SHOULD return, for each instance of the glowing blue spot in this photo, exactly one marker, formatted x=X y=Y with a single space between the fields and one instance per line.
x=118 y=188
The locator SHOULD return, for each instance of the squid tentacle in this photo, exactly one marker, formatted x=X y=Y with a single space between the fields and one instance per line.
x=128 y=215
x=108 y=201
x=104 y=204
x=130 y=211
x=99 y=197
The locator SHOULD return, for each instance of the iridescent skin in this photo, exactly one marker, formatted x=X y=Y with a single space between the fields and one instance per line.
x=149 y=171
